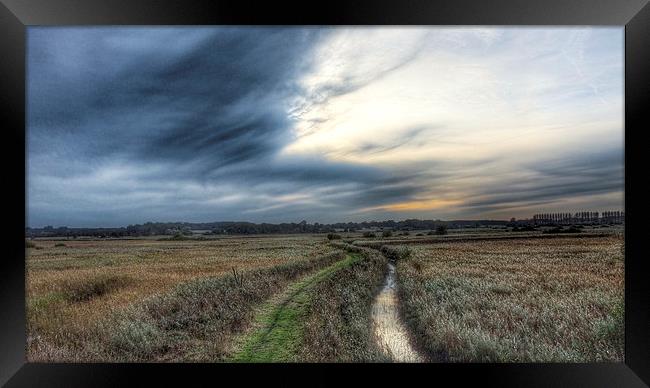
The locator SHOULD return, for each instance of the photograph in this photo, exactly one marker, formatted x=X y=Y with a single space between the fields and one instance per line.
x=325 y=194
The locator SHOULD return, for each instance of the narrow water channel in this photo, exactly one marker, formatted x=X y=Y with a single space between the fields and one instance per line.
x=389 y=329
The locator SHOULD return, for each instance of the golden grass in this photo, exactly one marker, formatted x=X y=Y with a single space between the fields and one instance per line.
x=338 y=324
x=517 y=300
x=71 y=288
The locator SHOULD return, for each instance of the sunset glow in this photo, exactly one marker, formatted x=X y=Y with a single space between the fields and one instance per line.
x=322 y=124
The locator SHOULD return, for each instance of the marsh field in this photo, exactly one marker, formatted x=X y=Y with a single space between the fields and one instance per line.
x=469 y=296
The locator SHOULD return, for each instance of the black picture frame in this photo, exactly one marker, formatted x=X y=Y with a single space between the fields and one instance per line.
x=17 y=15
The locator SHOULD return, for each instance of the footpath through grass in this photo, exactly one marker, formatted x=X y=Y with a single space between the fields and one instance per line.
x=280 y=322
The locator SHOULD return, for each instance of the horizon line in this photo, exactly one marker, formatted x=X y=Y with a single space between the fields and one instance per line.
x=529 y=218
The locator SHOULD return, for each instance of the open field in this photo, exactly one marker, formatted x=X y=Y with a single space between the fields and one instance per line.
x=72 y=287
x=338 y=324
x=198 y=320
x=518 y=300
x=279 y=333
x=489 y=296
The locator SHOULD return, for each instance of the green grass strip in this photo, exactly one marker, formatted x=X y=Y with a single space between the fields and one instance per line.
x=280 y=332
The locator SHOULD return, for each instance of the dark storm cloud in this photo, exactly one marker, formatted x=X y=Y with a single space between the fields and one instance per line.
x=128 y=125
x=222 y=96
x=208 y=105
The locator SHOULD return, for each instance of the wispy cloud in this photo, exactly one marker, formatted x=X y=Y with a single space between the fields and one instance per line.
x=272 y=124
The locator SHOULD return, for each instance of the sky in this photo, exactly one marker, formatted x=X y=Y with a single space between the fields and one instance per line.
x=129 y=125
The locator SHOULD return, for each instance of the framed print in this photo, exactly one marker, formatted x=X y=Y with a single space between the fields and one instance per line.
x=350 y=193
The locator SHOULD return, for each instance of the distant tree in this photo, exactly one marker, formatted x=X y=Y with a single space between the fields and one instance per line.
x=369 y=235
x=387 y=233
x=333 y=236
x=441 y=229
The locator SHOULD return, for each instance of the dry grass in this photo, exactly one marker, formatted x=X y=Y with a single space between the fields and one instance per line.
x=73 y=287
x=459 y=237
x=198 y=320
x=522 y=300
x=279 y=330
x=338 y=323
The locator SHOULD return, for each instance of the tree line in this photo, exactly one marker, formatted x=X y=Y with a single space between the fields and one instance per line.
x=244 y=228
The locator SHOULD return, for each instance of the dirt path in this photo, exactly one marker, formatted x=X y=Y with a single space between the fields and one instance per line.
x=389 y=329
x=278 y=327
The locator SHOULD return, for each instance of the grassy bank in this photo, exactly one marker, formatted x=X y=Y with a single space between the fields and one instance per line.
x=499 y=236
x=526 y=300
x=196 y=321
x=280 y=325
x=71 y=288
x=338 y=325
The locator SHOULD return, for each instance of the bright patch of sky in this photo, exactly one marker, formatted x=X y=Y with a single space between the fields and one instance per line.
x=128 y=125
